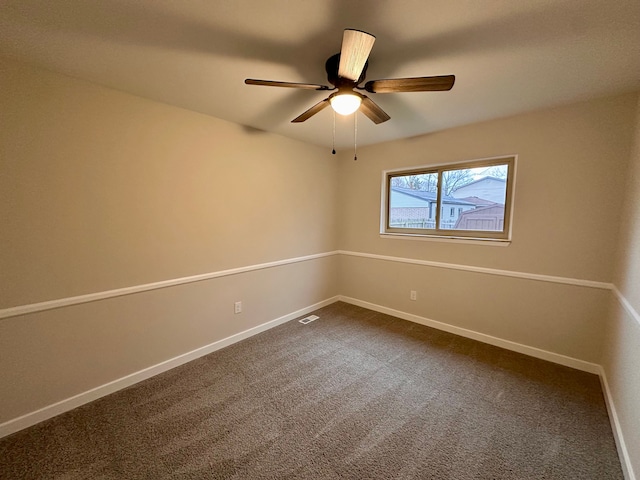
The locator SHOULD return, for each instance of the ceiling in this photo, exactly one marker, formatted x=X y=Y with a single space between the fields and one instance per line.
x=508 y=56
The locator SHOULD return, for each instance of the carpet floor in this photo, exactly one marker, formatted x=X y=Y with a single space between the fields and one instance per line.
x=355 y=394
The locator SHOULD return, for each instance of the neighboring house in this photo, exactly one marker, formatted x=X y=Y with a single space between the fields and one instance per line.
x=411 y=208
x=492 y=189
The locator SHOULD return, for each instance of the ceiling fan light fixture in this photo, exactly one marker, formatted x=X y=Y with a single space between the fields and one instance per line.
x=345 y=103
x=346 y=70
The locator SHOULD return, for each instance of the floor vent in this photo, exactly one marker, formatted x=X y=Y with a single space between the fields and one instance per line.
x=309 y=319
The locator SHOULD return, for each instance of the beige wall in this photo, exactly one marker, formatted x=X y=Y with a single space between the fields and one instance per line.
x=563 y=319
x=101 y=190
x=621 y=359
x=571 y=164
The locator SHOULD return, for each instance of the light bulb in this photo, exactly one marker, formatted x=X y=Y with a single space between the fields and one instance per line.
x=346 y=103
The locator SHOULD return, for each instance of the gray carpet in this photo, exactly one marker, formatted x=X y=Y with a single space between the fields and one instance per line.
x=355 y=394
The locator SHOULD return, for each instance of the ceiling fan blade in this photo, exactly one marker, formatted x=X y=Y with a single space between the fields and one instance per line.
x=356 y=46
x=312 y=111
x=417 y=84
x=373 y=111
x=272 y=83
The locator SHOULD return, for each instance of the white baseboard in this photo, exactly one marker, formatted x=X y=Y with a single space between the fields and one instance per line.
x=481 y=337
x=58 y=408
x=62 y=406
x=623 y=453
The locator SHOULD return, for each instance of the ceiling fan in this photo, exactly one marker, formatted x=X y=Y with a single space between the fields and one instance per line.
x=346 y=71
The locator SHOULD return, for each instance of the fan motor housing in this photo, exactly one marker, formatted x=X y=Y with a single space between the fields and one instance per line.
x=332 y=65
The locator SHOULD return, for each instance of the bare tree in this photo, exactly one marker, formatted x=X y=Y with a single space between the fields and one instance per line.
x=428 y=182
x=425 y=182
x=454 y=179
x=497 y=171
x=431 y=182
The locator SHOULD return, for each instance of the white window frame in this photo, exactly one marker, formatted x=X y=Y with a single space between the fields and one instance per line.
x=502 y=237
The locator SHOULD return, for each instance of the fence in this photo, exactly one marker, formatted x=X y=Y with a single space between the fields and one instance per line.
x=422 y=223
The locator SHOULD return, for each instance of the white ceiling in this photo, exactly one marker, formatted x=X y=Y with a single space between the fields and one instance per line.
x=509 y=56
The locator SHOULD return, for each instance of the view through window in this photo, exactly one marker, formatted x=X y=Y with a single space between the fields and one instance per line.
x=472 y=199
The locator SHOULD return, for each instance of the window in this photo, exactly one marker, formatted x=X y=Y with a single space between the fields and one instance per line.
x=463 y=200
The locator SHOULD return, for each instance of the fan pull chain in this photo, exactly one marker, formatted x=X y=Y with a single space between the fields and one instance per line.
x=355 y=136
x=333 y=146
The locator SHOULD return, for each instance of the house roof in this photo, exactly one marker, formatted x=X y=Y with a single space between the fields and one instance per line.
x=430 y=196
x=196 y=55
x=478 y=201
x=483 y=179
x=485 y=209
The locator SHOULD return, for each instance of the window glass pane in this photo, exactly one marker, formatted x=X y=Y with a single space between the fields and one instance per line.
x=473 y=198
x=479 y=197
x=413 y=201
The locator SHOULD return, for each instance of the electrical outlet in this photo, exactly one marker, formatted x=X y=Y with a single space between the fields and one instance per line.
x=237 y=307
x=413 y=295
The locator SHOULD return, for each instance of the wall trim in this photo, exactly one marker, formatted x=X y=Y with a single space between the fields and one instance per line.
x=623 y=453
x=489 y=271
x=118 y=292
x=487 y=242
x=625 y=303
x=45 y=413
x=481 y=337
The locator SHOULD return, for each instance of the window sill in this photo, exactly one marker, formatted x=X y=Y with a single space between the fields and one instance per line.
x=489 y=242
